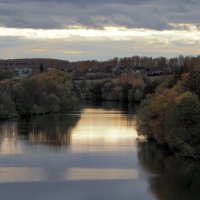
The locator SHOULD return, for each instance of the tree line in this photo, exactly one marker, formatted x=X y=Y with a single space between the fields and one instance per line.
x=171 y=115
x=40 y=94
x=129 y=87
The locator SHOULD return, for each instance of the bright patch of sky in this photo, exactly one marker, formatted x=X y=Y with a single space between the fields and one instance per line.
x=77 y=30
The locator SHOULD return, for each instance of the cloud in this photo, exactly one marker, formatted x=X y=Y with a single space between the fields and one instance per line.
x=82 y=44
x=42 y=28
x=153 y=14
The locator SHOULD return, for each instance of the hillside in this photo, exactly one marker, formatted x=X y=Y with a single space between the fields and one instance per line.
x=33 y=63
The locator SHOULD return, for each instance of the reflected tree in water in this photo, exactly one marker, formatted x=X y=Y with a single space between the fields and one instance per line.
x=50 y=129
x=172 y=177
x=128 y=110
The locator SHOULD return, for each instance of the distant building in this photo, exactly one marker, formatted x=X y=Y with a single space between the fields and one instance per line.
x=22 y=73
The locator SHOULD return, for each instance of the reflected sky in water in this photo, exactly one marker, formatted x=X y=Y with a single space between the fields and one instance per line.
x=86 y=154
x=81 y=174
x=101 y=130
x=89 y=130
x=22 y=174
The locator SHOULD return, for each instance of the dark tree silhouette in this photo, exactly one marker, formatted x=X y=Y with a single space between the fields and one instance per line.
x=41 y=68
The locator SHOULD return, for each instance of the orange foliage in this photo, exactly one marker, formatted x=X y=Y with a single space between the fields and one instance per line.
x=135 y=79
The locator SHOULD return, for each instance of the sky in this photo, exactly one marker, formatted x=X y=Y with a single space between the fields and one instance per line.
x=98 y=29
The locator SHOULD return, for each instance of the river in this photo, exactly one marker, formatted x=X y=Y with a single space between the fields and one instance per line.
x=89 y=154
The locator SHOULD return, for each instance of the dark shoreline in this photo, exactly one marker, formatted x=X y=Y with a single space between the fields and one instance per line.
x=165 y=149
x=29 y=116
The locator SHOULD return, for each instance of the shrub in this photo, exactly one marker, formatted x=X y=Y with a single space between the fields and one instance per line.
x=172 y=117
x=7 y=107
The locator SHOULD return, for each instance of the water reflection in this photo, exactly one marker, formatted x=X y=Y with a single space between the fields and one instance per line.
x=14 y=174
x=100 y=130
x=83 y=174
x=89 y=130
x=128 y=108
x=172 y=177
x=88 y=154
x=54 y=130
x=50 y=129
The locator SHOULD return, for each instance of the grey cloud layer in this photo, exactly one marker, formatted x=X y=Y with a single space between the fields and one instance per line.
x=47 y=14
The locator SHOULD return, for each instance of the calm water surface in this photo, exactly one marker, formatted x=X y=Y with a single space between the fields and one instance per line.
x=91 y=154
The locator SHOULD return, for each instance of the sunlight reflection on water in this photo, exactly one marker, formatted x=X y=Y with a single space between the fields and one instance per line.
x=100 y=174
x=97 y=132
x=21 y=174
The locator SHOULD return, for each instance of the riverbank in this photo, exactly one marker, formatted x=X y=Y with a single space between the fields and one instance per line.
x=44 y=93
x=172 y=115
